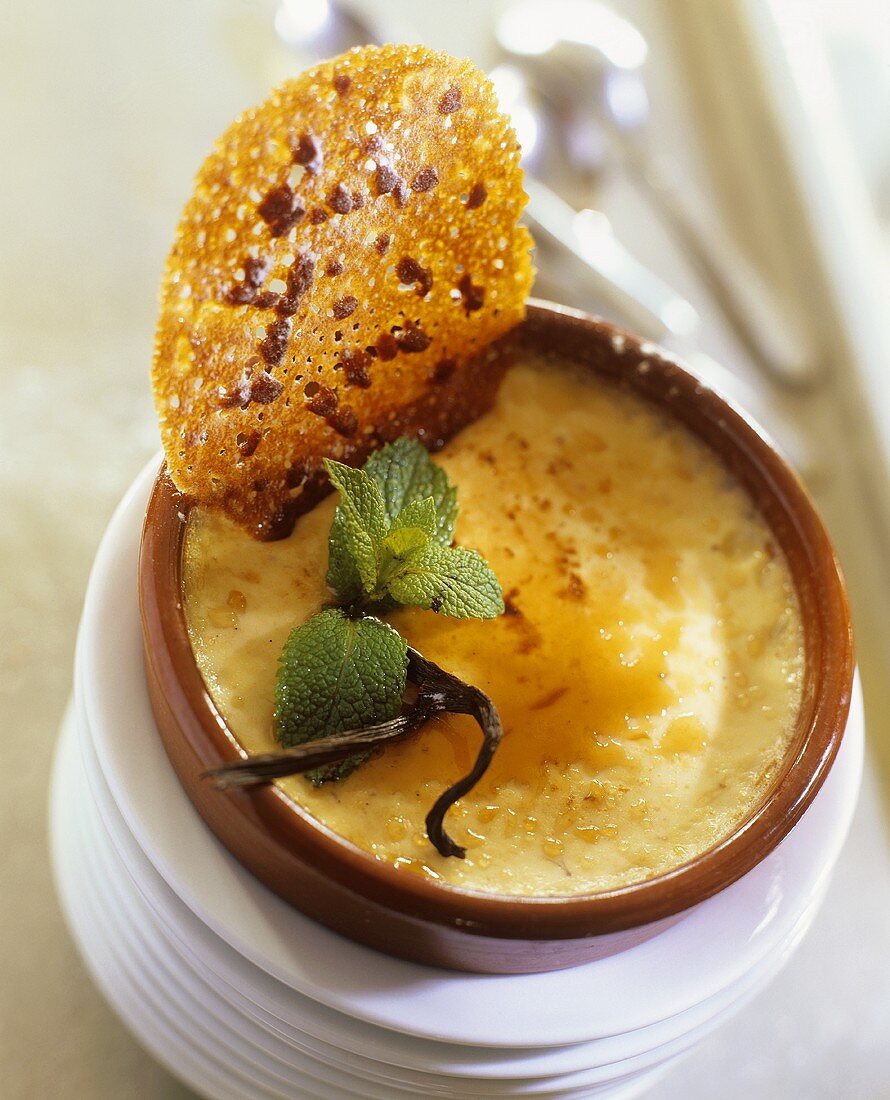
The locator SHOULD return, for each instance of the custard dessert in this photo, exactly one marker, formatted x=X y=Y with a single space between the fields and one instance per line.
x=647 y=669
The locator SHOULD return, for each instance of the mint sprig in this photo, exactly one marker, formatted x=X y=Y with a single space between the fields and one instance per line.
x=360 y=523
x=390 y=544
x=391 y=538
x=404 y=474
x=344 y=672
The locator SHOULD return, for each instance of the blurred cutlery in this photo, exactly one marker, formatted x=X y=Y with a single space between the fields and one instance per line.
x=646 y=302
x=650 y=306
x=318 y=29
x=582 y=65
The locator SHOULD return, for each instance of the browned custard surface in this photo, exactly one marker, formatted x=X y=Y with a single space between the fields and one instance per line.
x=648 y=667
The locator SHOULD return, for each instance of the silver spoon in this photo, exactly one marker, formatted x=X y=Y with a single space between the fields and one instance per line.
x=585 y=64
x=317 y=29
x=643 y=300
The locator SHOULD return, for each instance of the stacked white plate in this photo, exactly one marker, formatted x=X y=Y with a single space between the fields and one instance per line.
x=241 y=996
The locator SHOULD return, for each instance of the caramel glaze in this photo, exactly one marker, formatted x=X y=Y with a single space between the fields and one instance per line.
x=648 y=666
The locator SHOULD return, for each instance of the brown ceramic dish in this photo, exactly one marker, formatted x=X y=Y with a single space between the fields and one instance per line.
x=366 y=900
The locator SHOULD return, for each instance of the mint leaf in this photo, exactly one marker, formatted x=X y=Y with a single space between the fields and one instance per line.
x=337 y=674
x=342 y=575
x=360 y=523
x=453 y=581
x=419 y=513
x=405 y=472
x=412 y=529
x=405 y=541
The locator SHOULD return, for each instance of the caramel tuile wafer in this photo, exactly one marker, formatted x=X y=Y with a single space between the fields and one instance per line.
x=342 y=275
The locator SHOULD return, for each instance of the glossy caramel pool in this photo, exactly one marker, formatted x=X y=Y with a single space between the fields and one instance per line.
x=648 y=669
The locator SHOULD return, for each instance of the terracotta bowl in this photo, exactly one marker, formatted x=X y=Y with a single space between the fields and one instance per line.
x=369 y=901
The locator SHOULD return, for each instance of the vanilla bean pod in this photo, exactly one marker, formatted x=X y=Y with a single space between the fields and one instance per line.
x=438 y=692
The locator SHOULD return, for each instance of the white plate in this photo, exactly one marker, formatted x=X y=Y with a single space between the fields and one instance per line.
x=580 y=1056
x=648 y=1044
x=708 y=951
x=210 y=1023
x=139 y=981
x=205 y=1023
x=151 y=943
x=218 y=1016
x=166 y=1046
x=133 y=964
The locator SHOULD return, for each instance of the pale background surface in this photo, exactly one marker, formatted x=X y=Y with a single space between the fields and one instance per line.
x=107 y=108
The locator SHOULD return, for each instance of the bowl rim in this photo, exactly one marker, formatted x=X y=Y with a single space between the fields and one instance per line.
x=783 y=501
